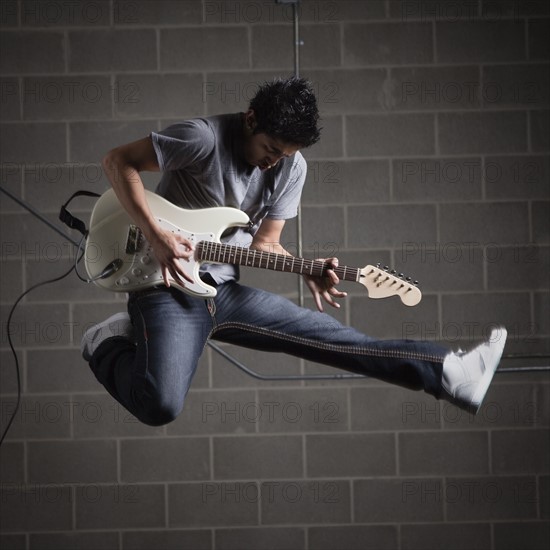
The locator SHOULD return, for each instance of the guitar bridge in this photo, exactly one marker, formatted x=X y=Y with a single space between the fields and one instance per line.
x=135 y=239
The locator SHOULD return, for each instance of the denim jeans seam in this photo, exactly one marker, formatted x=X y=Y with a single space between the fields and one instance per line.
x=211 y=307
x=144 y=375
x=330 y=347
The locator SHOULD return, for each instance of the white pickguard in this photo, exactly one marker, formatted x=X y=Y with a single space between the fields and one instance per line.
x=108 y=235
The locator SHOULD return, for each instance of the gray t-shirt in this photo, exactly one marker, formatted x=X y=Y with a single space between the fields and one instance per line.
x=203 y=166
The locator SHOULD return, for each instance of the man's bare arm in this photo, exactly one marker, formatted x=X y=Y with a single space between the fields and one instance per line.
x=123 y=166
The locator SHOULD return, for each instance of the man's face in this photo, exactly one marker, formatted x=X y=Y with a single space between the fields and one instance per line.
x=262 y=150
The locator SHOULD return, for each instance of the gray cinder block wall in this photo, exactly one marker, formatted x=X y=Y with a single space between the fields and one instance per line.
x=435 y=160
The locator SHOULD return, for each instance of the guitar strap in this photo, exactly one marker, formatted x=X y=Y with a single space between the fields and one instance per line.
x=72 y=221
x=271 y=195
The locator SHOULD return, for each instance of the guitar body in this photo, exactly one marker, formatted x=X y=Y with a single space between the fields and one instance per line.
x=113 y=236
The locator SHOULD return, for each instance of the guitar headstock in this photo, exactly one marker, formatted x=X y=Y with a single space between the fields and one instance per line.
x=382 y=282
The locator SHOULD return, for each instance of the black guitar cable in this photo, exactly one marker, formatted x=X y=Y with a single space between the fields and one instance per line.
x=8 y=329
x=113 y=267
x=73 y=223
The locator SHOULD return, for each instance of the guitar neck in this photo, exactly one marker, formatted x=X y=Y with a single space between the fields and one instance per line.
x=228 y=254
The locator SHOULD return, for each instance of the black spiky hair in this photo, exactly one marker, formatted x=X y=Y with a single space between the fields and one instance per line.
x=286 y=109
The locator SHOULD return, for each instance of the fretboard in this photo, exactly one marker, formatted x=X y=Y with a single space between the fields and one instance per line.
x=227 y=254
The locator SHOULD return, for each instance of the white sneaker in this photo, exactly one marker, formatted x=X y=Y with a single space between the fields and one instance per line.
x=467 y=376
x=116 y=325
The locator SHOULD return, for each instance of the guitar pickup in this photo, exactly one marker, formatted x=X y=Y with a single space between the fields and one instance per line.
x=134 y=240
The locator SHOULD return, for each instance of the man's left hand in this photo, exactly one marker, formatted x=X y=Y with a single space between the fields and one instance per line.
x=325 y=287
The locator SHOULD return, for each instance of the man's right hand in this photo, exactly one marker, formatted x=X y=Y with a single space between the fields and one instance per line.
x=170 y=250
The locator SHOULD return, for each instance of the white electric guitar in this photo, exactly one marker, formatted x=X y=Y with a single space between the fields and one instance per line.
x=119 y=258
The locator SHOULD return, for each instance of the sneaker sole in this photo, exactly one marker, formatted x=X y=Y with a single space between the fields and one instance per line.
x=494 y=361
x=87 y=337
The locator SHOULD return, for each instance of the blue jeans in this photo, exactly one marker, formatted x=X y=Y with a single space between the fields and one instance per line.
x=151 y=379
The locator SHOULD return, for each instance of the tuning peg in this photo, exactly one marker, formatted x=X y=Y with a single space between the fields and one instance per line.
x=408 y=279
x=401 y=275
x=378 y=265
x=386 y=268
x=415 y=283
x=393 y=272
